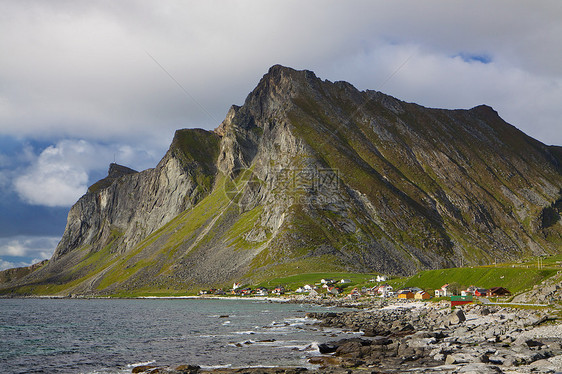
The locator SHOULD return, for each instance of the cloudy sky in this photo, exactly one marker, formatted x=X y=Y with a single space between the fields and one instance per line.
x=84 y=83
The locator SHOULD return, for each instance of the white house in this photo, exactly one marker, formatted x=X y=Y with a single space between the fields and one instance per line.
x=308 y=287
x=235 y=286
x=381 y=278
x=443 y=291
x=345 y=281
x=261 y=292
x=386 y=290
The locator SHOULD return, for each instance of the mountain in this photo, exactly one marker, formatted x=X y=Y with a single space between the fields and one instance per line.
x=312 y=175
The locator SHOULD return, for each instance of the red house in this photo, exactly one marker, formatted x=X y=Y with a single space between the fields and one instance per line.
x=480 y=292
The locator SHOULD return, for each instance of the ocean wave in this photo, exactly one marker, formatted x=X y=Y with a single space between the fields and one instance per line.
x=141 y=363
x=249 y=332
x=297 y=345
x=297 y=321
x=214 y=367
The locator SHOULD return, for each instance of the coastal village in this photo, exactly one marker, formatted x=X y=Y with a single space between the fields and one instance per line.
x=343 y=288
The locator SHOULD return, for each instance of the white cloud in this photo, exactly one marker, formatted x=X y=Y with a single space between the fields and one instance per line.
x=58 y=177
x=60 y=174
x=26 y=250
x=80 y=69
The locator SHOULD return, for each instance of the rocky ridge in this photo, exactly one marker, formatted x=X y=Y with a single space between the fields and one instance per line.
x=318 y=176
x=547 y=292
x=11 y=275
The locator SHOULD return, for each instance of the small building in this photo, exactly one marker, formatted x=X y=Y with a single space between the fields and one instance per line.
x=308 y=287
x=354 y=294
x=422 y=295
x=405 y=294
x=279 y=290
x=461 y=300
x=371 y=291
x=480 y=292
x=385 y=290
x=443 y=291
x=381 y=278
x=498 y=291
x=236 y=286
x=262 y=292
x=345 y=281
x=327 y=281
x=334 y=290
x=474 y=291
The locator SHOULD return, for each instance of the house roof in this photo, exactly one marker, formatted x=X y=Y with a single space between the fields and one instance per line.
x=498 y=289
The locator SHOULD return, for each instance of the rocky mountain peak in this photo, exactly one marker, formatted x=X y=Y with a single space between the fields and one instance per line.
x=116 y=170
x=317 y=176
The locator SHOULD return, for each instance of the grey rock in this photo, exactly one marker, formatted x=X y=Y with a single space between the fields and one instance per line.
x=456 y=317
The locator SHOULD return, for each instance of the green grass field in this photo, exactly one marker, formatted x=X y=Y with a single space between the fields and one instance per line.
x=516 y=277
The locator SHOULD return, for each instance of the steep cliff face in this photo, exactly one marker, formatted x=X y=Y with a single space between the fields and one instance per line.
x=133 y=205
x=385 y=185
x=310 y=175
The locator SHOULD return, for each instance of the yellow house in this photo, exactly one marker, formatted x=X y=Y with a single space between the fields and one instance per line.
x=422 y=295
x=406 y=295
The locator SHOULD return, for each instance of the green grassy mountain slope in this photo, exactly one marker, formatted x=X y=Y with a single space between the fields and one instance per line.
x=313 y=176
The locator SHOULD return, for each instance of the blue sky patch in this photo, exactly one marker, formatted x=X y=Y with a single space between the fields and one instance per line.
x=470 y=57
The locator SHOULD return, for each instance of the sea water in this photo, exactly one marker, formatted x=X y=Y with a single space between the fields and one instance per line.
x=114 y=335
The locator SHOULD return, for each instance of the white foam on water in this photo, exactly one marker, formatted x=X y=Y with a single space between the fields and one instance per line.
x=141 y=363
x=249 y=332
x=212 y=367
x=297 y=321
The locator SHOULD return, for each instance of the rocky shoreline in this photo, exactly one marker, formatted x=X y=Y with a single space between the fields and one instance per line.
x=429 y=338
